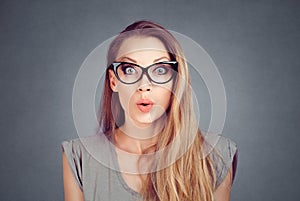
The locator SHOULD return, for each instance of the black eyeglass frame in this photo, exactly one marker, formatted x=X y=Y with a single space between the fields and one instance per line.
x=115 y=65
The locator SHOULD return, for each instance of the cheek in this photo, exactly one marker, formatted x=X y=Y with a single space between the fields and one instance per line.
x=125 y=95
x=166 y=93
x=164 y=98
x=168 y=98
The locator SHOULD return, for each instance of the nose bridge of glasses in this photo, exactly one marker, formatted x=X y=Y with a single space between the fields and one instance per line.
x=145 y=80
x=144 y=83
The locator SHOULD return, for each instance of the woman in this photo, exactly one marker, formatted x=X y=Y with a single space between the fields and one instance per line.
x=148 y=133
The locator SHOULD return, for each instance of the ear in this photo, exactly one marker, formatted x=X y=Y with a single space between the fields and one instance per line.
x=112 y=81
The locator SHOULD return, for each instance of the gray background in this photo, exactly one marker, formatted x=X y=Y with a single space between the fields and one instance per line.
x=255 y=45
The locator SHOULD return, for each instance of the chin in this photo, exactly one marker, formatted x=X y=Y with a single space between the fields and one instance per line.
x=147 y=119
x=144 y=120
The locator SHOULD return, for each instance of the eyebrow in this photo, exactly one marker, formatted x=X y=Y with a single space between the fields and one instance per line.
x=134 y=61
x=161 y=58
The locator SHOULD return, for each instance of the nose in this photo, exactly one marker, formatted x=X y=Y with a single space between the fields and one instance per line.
x=144 y=84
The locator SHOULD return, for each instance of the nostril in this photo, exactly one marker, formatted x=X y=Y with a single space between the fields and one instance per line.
x=141 y=89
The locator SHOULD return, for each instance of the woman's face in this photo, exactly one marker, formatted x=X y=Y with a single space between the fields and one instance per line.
x=144 y=101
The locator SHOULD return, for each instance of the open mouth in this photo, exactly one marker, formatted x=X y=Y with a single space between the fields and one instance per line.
x=145 y=105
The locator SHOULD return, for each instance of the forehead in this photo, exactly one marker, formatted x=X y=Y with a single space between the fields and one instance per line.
x=142 y=49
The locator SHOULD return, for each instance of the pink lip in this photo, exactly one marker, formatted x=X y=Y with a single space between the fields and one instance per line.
x=144 y=105
x=144 y=101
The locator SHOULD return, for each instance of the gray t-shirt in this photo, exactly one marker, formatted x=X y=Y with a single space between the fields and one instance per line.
x=93 y=164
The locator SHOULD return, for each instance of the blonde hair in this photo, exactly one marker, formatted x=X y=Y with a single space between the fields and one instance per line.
x=191 y=176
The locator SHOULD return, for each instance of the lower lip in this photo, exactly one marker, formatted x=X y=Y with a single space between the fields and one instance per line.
x=146 y=108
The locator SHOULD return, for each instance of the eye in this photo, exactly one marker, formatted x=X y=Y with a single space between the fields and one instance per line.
x=128 y=69
x=161 y=70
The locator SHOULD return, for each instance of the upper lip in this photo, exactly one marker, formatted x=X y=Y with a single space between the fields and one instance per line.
x=144 y=102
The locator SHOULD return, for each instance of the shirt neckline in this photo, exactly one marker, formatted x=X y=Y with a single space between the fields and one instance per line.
x=118 y=171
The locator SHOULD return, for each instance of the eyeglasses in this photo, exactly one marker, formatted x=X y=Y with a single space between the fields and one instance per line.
x=130 y=73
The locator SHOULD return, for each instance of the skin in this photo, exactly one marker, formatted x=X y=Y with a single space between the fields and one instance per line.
x=72 y=192
x=144 y=52
x=140 y=128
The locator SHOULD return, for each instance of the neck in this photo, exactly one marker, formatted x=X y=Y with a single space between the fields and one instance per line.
x=137 y=139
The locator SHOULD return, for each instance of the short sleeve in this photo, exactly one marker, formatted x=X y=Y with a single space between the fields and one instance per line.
x=223 y=157
x=73 y=154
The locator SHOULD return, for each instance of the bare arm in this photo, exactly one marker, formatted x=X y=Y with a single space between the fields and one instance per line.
x=222 y=193
x=71 y=188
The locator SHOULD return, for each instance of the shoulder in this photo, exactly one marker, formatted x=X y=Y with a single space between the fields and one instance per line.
x=226 y=147
x=224 y=156
x=80 y=145
x=80 y=151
